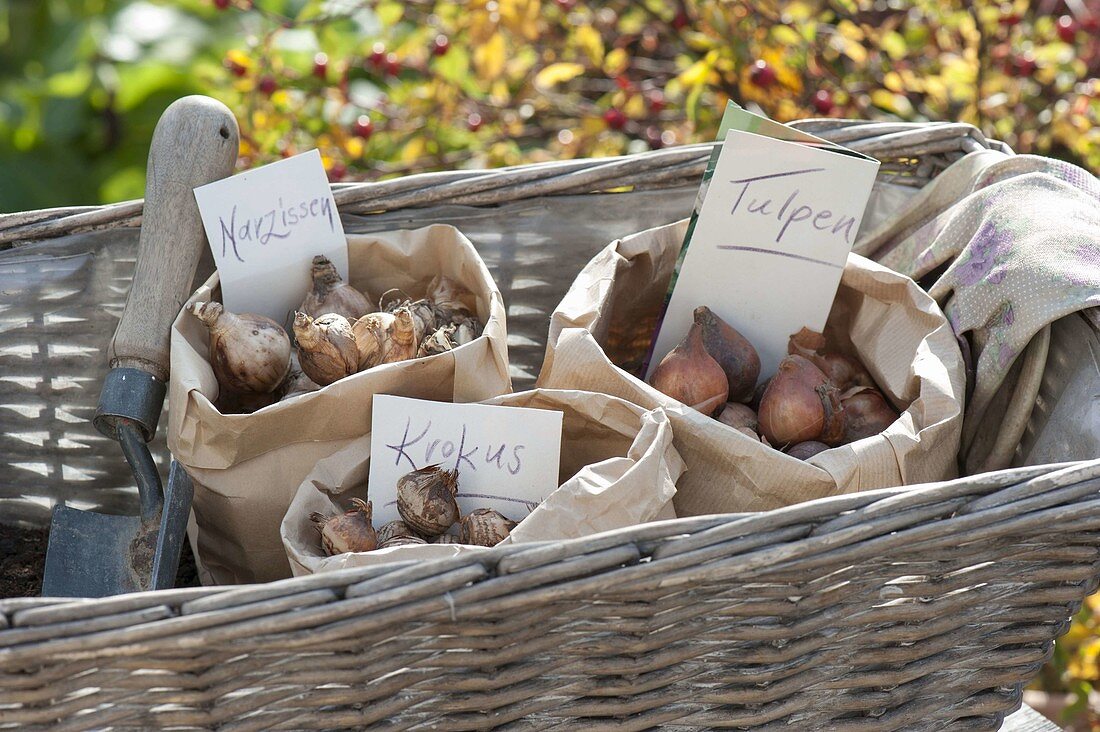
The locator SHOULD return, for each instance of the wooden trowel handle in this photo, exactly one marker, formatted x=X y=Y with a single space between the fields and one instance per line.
x=195 y=142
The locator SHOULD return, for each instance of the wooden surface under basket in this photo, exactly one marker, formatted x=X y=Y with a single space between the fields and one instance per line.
x=897 y=609
x=901 y=609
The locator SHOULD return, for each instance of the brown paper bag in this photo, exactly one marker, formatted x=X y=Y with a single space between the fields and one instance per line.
x=246 y=468
x=618 y=468
x=608 y=316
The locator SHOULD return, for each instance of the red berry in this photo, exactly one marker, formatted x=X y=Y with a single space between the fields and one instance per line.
x=222 y=4
x=377 y=55
x=1010 y=19
x=656 y=100
x=823 y=101
x=680 y=21
x=337 y=172
x=473 y=122
x=1091 y=23
x=622 y=82
x=234 y=67
x=268 y=85
x=614 y=118
x=1067 y=28
x=363 y=127
x=440 y=45
x=1020 y=66
x=762 y=75
x=320 y=66
x=393 y=66
x=653 y=137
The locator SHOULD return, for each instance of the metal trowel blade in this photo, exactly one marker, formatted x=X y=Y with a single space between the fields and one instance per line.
x=96 y=555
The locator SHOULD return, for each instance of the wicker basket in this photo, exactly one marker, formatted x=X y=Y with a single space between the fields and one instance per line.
x=915 y=608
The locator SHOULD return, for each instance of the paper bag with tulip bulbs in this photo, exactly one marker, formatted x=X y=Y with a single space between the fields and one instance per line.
x=248 y=427
x=618 y=468
x=882 y=328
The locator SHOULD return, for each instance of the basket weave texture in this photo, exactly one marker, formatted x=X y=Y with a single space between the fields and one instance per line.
x=898 y=609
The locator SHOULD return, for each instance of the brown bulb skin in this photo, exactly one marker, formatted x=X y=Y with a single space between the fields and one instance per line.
x=350 y=531
x=327 y=350
x=732 y=351
x=330 y=294
x=485 y=527
x=806 y=450
x=800 y=405
x=250 y=354
x=689 y=375
x=866 y=413
x=426 y=500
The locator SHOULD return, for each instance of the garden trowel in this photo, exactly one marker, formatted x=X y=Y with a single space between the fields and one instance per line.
x=92 y=554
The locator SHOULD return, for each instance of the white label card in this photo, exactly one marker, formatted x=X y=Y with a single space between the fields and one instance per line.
x=770 y=243
x=507 y=457
x=264 y=226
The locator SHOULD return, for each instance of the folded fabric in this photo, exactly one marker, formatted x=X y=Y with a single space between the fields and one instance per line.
x=1009 y=244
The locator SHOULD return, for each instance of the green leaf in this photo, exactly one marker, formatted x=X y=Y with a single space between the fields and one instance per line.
x=70 y=83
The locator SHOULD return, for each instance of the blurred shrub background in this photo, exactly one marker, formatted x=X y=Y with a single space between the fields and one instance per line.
x=386 y=88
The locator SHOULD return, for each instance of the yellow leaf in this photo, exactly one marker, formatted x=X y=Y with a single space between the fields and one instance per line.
x=894 y=45
x=590 y=41
x=893 y=82
x=238 y=57
x=555 y=74
x=896 y=103
x=489 y=57
x=353 y=146
x=786 y=36
x=696 y=74
x=849 y=30
x=616 y=61
x=634 y=107
x=413 y=149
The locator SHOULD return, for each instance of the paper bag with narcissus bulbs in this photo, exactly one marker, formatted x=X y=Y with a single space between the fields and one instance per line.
x=253 y=406
x=876 y=400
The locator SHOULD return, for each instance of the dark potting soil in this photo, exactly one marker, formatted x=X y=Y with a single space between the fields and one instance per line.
x=23 y=557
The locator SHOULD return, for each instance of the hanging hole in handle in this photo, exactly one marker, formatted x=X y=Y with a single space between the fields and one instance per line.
x=224 y=133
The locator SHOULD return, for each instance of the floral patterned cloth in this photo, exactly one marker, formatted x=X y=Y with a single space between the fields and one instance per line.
x=1009 y=243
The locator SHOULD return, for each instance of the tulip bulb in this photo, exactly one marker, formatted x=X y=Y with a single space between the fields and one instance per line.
x=800 y=404
x=330 y=294
x=689 y=375
x=738 y=416
x=843 y=371
x=806 y=450
x=732 y=351
x=326 y=347
x=426 y=500
x=348 y=532
x=250 y=354
x=866 y=413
